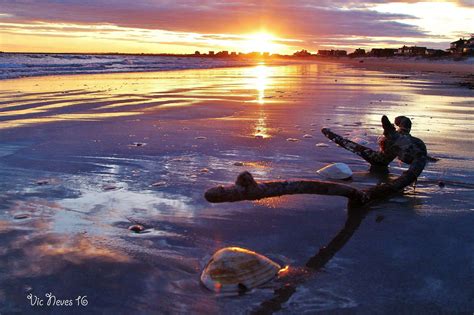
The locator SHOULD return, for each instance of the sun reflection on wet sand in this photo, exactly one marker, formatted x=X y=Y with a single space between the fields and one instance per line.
x=262 y=81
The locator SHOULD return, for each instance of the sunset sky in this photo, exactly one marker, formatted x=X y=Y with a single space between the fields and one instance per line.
x=277 y=26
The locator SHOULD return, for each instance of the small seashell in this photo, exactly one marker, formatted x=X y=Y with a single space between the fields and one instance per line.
x=292 y=140
x=322 y=145
x=307 y=136
x=236 y=270
x=336 y=171
x=21 y=216
x=200 y=138
x=159 y=184
x=109 y=187
x=137 y=228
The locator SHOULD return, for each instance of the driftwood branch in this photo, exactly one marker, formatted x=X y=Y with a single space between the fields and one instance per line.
x=246 y=188
x=395 y=143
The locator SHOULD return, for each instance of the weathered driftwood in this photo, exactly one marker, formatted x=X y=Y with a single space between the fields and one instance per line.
x=246 y=188
x=396 y=143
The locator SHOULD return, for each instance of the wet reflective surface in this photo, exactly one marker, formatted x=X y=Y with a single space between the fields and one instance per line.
x=84 y=157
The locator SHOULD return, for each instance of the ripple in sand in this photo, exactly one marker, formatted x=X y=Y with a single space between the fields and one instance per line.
x=200 y=138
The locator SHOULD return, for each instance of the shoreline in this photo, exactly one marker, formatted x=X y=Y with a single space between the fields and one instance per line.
x=279 y=62
x=442 y=66
x=447 y=66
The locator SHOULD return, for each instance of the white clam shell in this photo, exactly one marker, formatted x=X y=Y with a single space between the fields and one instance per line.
x=233 y=269
x=336 y=171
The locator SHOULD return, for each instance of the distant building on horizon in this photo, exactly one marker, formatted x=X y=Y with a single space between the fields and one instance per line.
x=457 y=47
x=223 y=53
x=469 y=46
x=302 y=53
x=412 y=51
x=383 y=52
x=359 y=52
x=332 y=53
x=211 y=53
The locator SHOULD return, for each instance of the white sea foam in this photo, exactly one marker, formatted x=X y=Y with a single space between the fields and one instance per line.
x=26 y=65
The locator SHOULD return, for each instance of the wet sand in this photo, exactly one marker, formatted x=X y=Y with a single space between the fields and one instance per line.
x=84 y=157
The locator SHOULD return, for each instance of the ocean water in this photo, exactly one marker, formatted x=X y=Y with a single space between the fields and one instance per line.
x=26 y=65
x=73 y=179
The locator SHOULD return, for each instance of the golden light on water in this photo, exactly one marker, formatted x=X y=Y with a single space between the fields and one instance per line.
x=261 y=81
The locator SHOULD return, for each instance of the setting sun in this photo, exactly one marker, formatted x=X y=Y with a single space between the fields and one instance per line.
x=260 y=42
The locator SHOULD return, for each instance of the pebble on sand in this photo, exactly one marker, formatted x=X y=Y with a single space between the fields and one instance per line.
x=307 y=136
x=138 y=144
x=322 y=145
x=42 y=182
x=137 y=228
x=239 y=164
x=292 y=140
x=200 y=138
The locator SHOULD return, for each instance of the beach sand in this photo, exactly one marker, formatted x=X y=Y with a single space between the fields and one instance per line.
x=83 y=157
